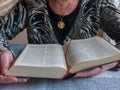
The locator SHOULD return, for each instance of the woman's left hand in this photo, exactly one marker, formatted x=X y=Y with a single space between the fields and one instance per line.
x=97 y=70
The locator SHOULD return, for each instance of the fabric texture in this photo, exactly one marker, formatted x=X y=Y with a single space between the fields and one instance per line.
x=12 y=23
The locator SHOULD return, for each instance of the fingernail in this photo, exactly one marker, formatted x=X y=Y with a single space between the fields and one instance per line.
x=15 y=79
x=23 y=80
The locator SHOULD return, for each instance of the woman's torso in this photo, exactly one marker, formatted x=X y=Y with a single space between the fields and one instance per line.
x=86 y=24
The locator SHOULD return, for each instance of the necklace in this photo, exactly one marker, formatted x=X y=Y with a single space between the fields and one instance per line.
x=61 y=23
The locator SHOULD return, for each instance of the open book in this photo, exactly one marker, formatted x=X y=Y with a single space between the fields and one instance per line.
x=56 y=61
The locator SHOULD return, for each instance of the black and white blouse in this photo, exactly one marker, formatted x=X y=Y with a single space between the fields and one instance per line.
x=34 y=15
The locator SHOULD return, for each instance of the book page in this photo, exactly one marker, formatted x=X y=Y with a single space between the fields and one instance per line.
x=40 y=60
x=42 y=55
x=89 y=49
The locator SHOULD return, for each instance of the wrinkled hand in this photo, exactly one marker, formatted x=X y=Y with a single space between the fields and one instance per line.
x=6 y=59
x=96 y=71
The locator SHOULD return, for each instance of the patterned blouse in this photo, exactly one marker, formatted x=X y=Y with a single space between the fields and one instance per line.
x=33 y=15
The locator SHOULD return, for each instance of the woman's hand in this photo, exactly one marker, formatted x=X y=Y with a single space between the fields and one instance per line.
x=97 y=70
x=6 y=59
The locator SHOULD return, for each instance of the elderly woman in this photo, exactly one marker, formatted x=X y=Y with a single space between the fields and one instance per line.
x=57 y=21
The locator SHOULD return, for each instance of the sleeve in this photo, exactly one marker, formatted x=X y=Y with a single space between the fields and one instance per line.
x=110 y=18
x=12 y=23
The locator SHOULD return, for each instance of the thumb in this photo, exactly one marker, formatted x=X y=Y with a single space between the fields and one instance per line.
x=5 y=62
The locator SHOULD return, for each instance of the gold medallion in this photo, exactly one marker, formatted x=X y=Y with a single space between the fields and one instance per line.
x=61 y=25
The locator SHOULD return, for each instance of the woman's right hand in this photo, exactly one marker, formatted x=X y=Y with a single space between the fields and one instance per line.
x=6 y=59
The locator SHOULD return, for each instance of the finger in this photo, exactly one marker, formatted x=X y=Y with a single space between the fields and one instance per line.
x=109 y=66
x=89 y=73
x=4 y=79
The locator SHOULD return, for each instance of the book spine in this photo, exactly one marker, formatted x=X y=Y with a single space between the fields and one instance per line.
x=69 y=75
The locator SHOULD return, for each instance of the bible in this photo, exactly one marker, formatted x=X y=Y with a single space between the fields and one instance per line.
x=57 y=61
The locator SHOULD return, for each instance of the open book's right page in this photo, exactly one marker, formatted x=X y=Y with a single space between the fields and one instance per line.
x=91 y=52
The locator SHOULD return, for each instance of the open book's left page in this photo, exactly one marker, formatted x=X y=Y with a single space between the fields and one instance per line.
x=40 y=61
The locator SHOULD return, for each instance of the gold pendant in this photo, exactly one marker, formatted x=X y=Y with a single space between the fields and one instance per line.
x=61 y=25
